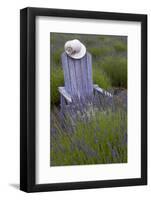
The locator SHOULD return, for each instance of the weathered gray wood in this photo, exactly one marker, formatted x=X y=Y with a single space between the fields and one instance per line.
x=73 y=80
x=62 y=101
x=101 y=91
x=84 y=76
x=89 y=76
x=78 y=76
x=78 y=80
x=65 y=94
x=67 y=79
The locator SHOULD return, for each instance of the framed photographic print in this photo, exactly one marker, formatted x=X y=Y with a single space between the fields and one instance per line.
x=83 y=99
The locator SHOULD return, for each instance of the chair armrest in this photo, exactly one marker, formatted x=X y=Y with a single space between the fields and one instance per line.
x=103 y=92
x=65 y=94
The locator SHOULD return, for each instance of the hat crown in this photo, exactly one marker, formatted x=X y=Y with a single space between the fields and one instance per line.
x=75 y=49
x=72 y=46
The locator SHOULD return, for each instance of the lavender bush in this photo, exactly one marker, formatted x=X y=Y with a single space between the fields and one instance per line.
x=90 y=132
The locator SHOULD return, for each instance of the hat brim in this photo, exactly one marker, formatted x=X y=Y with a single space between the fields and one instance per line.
x=80 y=54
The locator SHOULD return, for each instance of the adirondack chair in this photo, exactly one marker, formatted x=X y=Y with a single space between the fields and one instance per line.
x=78 y=80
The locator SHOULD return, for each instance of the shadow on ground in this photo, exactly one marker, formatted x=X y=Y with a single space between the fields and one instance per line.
x=14 y=185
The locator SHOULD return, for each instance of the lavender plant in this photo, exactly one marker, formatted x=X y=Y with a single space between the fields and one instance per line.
x=90 y=132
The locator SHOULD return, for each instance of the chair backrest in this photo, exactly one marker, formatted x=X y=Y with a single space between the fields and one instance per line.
x=78 y=75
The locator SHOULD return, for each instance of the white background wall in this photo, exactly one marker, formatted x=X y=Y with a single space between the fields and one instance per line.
x=9 y=98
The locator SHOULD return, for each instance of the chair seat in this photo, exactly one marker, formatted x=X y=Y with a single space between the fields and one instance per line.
x=68 y=97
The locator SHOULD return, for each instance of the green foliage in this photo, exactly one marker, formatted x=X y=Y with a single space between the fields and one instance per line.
x=120 y=46
x=102 y=140
x=100 y=78
x=97 y=52
x=57 y=80
x=116 y=69
x=102 y=37
x=56 y=57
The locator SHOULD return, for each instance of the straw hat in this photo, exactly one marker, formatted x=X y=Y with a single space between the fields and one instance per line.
x=75 y=49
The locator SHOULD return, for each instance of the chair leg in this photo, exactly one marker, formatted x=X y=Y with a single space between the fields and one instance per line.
x=62 y=102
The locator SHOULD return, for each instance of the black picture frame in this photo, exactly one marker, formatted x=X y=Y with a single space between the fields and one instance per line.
x=28 y=98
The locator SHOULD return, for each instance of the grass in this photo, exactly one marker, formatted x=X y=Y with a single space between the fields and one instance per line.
x=100 y=78
x=57 y=80
x=116 y=69
x=101 y=140
x=97 y=52
x=56 y=57
x=120 y=46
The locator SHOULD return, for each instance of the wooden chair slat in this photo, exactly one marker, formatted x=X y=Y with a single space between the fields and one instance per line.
x=84 y=75
x=78 y=77
x=72 y=75
x=89 y=75
x=65 y=66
